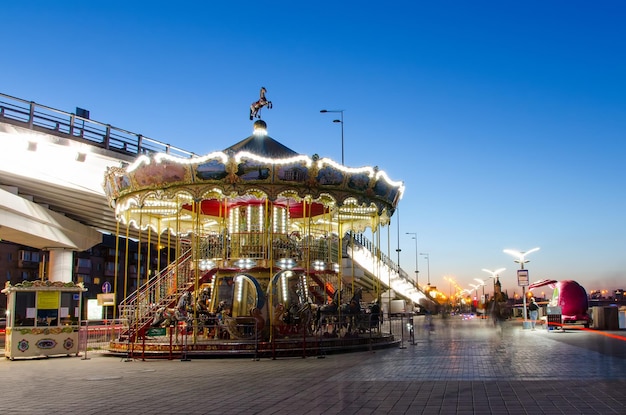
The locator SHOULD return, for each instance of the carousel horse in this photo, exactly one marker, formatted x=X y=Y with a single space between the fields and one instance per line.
x=369 y=319
x=244 y=327
x=223 y=310
x=279 y=314
x=375 y=315
x=256 y=106
x=299 y=316
x=281 y=327
x=330 y=308
x=164 y=316
x=352 y=310
x=201 y=304
x=206 y=319
x=325 y=313
x=354 y=306
x=305 y=314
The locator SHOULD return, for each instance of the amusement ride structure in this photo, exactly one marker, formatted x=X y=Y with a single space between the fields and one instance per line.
x=258 y=234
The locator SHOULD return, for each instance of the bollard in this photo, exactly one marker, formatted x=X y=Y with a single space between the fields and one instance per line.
x=402 y=346
x=184 y=357
x=171 y=344
x=86 y=336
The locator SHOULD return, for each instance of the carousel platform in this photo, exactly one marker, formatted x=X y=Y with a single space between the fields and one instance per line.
x=295 y=346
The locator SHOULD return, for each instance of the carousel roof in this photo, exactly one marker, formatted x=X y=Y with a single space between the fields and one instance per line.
x=261 y=144
x=157 y=187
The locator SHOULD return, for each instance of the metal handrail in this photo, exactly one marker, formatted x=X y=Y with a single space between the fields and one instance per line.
x=361 y=240
x=35 y=116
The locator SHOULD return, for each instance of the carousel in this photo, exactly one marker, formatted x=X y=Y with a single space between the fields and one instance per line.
x=258 y=236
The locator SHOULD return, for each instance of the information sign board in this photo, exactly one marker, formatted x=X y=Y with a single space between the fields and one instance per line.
x=522 y=278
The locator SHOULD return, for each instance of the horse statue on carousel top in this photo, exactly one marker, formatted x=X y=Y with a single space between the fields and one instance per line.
x=255 y=107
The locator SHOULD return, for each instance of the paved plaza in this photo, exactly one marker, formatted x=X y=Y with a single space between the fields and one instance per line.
x=464 y=367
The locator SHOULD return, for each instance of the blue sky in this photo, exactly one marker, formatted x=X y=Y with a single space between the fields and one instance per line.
x=505 y=120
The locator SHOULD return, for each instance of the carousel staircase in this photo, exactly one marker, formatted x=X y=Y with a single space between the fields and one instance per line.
x=164 y=290
x=321 y=290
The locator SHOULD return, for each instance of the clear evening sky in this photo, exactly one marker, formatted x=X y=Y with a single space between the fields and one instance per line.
x=506 y=120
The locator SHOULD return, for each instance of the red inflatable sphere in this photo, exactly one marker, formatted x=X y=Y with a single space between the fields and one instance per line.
x=572 y=300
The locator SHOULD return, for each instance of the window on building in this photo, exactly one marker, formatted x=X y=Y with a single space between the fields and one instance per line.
x=84 y=278
x=29 y=256
x=84 y=263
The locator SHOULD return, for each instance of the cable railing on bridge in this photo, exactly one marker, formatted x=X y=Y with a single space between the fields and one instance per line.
x=52 y=121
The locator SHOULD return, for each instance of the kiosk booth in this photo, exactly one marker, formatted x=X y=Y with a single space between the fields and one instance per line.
x=43 y=319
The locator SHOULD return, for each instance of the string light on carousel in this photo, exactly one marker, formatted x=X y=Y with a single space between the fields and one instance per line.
x=257 y=225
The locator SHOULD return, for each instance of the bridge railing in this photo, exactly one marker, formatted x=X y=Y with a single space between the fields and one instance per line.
x=41 y=118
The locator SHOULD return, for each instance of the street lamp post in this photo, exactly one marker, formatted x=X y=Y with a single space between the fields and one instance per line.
x=398 y=250
x=340 y=121
x=483 y=301
x=450 y=282
x=475 y=287
x=481 y=284
x=521 y=259
x=427 y=256
x=494 y=275
x=416 y=263
x=467 y=294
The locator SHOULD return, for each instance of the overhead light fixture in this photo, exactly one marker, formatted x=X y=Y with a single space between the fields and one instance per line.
x=286 y=263
x=245 y=263
x=32 y=146
x=206 y=264
x=81 y=157
x=318 y=265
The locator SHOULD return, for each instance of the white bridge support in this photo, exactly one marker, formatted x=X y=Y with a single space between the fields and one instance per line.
x=27 y=223
x=60 y=265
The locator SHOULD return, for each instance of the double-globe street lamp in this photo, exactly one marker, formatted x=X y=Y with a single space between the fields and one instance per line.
x=494 y=275
x=521 y=259
x=481 y=283
x=340 y=121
